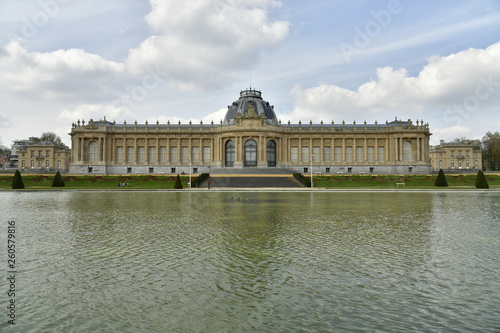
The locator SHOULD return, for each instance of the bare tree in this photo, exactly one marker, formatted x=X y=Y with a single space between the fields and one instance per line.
x=51 y=137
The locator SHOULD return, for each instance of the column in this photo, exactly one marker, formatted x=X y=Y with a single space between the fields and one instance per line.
x=82 y=149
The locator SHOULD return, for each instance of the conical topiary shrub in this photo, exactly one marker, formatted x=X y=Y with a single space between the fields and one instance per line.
x=58 y=181
x=178 y=184
x=441 y=179
x=481 y=181
x=17 y=181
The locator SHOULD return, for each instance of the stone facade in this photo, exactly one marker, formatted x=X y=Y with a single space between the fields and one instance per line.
x=43 y=156
x=456 y=156
x=250 y=136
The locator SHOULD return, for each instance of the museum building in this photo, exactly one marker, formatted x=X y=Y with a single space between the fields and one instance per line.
x=250 y=136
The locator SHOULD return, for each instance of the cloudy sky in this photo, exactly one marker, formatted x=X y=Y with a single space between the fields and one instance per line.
x=128 y=60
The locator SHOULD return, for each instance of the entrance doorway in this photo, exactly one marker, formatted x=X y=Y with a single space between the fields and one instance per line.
x=250 y=153
x=271 y=153
x=230 y=153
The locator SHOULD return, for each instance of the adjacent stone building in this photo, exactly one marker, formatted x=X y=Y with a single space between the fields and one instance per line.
x=43 y=156
x=250 y=136
x=456 y=156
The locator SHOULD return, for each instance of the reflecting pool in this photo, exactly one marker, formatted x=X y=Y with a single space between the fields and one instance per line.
x=254 y=261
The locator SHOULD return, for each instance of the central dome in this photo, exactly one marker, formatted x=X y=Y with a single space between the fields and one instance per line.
x=250 y=99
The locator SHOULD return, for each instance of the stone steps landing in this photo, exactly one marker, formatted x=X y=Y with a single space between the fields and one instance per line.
x=253 y=181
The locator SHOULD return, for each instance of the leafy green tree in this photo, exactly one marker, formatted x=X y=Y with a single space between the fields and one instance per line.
x=491 y=151
x=17 y=181
x=441 y=179
x=178 y=184
x=58 y=181
x=481 y=181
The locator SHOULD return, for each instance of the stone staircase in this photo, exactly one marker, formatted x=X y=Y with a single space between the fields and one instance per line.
x=252 y=178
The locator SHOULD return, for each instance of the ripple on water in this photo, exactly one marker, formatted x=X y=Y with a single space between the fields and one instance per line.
x=271 y=262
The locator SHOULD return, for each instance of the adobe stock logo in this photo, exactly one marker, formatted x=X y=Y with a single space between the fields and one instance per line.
x=31 y=25
x=471 y=103
x=364 y=36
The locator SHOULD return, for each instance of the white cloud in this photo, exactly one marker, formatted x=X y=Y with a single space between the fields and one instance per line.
x=4 y=121
x=206 y=43
x=216 y=116
x=92 y=111
x=60 y=74
x=470 y=79
x=449 y=134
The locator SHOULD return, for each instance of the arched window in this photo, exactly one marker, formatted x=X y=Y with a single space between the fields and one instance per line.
x=407 y=151
x=271 y=153
x=250 y=153
x=230 y=153
x=93 y=152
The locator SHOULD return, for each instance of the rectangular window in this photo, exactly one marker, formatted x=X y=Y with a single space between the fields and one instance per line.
x=141 y=152
x=348 y=154
x=326 y=154
x=151 y=170
x=327 y=170
x=174 y=154
x=47 y=153
x=305 y=154
x=196 y=154
x=338 y=154
x=163 y=154
x=370 y=153
x=206 y=154
x=316 y=154
x=130 y=154
x=152 y=154
x=32 y=153
x=381 y=154
x=119 y=154
x=184 y=154
x=294 y=154
x=359 y=154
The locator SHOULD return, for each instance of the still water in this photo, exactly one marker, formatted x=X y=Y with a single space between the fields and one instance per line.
x=254 y=261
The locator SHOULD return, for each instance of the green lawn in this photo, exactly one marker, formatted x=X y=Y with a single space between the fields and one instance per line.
x=320 y=181
x=97 y=182
x=391 y=181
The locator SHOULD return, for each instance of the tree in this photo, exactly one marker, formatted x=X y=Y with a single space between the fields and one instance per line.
x=178 y=184
x=441 y=179
x=475 y=143
x=17 y=181
x=481 y=181
x=491 y=151
x=58 y=181
x=51 y=137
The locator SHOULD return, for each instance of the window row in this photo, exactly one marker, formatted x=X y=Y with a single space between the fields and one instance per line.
x=128 y=154
x=349 y=154
x=40 y=164
x=40 y=154
x=453 y=164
